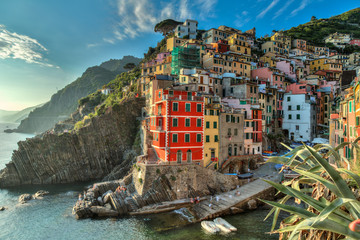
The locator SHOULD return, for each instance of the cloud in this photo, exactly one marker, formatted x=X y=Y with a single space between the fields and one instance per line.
x=135 y=17
x=91 y=45
x=242 y=19
x=18 y=46
x=281 y=10
x=268 y=8
x=303 y=4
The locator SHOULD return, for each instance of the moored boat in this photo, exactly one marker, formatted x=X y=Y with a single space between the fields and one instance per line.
x=210 y=226
x=222 y=222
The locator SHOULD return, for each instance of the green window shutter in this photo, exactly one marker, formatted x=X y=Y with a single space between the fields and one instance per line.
x=175 y=138
x=198 y=137
x=297 y=116
x=207 y=138
x=198 y=107
x=187 y=137
x=216 y=138
x=215 y=124
x=187 y=107
x=198 y=122
x=175 y=122
x=207 y=124
x=297 y=107
x=187 y=122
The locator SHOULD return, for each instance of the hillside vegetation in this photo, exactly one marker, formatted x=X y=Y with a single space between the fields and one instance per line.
x=316 y=30
x=65 y=101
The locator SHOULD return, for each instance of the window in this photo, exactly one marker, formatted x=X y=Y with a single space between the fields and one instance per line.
x=175 y=106
x=227 y=118
x=289 y=107
x=235 y=132
x=297 y=127
x=198 y=137
x=297 y=107
x=297 y=116
x=187 y=122
x=198 y=122
x=207 y=124
x=207 y=138
x=198 y=108
x=211 y=112
x=215 y=124
x=288 y=99
x=175 y=122
x=174 y=138
x=229 y=131
x=187 y=107
x=216 y=138
x=187 y=137
x=289 y=116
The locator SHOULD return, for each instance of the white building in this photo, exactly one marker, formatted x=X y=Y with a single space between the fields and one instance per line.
x=338 y=39
x=299 y=122
x=189 y=27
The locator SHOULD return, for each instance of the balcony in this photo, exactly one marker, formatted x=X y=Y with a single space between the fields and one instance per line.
x=185 y=98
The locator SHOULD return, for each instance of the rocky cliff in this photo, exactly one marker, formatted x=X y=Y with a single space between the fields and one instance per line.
x=88 y=153
x=65 y=101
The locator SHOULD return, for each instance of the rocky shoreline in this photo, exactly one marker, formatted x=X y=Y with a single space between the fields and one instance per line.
x=126 y=197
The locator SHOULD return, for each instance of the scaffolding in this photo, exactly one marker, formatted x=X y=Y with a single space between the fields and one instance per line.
x=185 y=57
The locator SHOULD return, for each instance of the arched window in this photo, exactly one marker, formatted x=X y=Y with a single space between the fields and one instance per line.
x=235 y=150
x=189 y=156
x=179 y=156
x=230 y=149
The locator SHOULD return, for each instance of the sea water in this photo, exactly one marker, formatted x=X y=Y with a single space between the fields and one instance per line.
x=51 y=217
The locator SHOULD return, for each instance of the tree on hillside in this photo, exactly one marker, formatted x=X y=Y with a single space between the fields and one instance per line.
x=313 y=18
x=166 y=26
x=129 y=66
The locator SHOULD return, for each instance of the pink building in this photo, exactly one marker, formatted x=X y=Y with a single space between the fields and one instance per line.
x=288 y=67
x=297 y=88
x=355 y=42
x=270 y=76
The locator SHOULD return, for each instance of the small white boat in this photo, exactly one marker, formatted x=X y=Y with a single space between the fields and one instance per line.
x=210 y=226
x=222 y=222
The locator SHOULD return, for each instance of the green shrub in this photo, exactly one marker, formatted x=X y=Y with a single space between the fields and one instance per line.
x=140 y=180
x=173 y=178
x=158 y=171
x=330 y=198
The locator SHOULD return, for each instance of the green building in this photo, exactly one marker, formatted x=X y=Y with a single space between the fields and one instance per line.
x=184 y=57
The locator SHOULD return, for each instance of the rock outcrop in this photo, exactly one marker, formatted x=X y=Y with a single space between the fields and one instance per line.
x=89 y=153
x=162 y=188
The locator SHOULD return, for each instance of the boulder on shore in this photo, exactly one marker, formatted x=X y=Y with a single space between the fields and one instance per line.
x=25 y=198
x=252 y=204
x=103 y=211
x=40 y=194
x=2 y=208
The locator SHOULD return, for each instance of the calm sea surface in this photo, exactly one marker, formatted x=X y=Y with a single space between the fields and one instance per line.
x=51 y=217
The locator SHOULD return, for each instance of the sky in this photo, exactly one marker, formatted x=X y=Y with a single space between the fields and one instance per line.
x=45 y=45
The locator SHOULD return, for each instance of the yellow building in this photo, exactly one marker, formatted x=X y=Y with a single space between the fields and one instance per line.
x=282 y=38
x=174 y=42
x=275 y=47
x=238 y=43
x=211 y=130
x=269 y=58
x=325 y=64
x=227 y=63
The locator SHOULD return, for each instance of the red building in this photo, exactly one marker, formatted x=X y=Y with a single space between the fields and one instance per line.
x=221 y=46
x=177 y=126
x=355 y=42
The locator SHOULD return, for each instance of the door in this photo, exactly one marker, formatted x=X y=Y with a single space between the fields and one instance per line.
x=178 y=156
x=189 y=156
